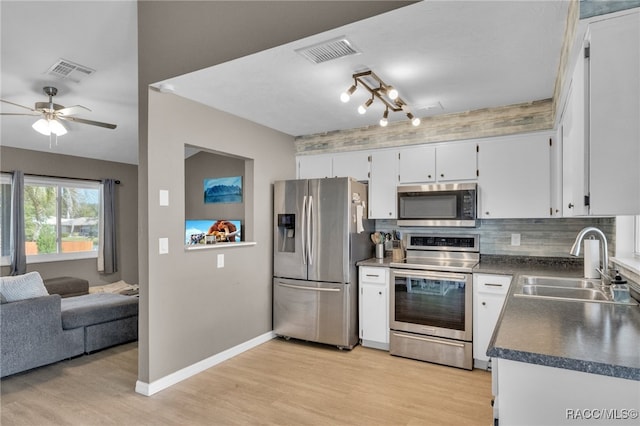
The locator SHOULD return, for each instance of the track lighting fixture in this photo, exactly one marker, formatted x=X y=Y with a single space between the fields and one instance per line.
x=388 y=95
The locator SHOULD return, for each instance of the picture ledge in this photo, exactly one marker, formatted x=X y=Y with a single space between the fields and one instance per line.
x=219 y=245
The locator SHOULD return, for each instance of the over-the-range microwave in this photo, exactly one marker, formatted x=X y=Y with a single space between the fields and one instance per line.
x=451 y=204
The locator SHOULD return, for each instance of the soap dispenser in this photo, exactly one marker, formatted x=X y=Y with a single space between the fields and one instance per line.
x=620 y=289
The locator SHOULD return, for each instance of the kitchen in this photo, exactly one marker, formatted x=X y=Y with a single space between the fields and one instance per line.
x=163 y=357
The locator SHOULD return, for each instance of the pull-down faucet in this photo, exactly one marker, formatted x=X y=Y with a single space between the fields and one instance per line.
x=604 y=250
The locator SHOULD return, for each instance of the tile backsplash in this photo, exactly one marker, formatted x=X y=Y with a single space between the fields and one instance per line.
x=538 y=237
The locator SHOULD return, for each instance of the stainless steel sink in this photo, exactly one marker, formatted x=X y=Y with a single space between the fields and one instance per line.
x=565 y=292
x=561 y=282
x=562 y=288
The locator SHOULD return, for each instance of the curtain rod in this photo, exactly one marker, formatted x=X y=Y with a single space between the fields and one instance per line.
x=63 y=177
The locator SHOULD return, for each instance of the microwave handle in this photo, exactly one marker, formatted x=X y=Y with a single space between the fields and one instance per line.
x=429 y=275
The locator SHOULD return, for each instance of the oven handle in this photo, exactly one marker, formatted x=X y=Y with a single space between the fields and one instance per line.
x=425 y=339
x=429 y=275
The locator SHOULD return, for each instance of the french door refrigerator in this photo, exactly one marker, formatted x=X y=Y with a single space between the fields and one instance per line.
x=320 y=231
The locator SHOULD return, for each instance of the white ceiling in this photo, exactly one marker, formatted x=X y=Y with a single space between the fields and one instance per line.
x=97 y=34
x=463 y=54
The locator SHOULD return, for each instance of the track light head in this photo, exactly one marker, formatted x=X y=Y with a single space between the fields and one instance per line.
x=363 y=108
x=414 y=120
x=392 y=93
x=346 y=95
x=384 y=120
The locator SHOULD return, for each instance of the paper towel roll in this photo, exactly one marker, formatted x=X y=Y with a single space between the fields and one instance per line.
x=591 y=258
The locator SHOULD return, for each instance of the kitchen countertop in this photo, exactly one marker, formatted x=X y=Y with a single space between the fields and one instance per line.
x=597 y=338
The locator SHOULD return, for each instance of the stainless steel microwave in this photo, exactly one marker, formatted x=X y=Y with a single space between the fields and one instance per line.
x=452 y=204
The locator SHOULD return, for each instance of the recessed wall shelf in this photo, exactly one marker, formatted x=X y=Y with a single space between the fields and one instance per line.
x=219 y=245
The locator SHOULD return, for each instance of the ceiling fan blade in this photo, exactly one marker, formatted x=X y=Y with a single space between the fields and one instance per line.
x=20 y=113
x=75 y=109
x=91 y=122
x=18 y=105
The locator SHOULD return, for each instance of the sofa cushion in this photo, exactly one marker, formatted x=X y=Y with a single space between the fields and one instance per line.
x=20 y=287
x=67 y=286
x=81 y=311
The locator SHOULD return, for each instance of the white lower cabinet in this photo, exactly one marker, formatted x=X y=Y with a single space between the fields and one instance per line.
x=489 y=294
x=374 y=307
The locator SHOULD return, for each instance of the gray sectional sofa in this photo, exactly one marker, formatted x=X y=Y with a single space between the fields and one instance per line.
x=47 y=328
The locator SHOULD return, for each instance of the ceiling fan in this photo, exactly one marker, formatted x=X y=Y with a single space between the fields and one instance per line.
x=53 y=114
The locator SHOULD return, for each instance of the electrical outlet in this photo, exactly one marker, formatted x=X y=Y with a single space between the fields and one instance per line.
x=220 y=260
x=515 y=239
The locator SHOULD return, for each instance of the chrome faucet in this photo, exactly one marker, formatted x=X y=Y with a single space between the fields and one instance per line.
x=604 y=250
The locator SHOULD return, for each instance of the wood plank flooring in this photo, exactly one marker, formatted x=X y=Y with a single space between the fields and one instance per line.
x=278 y=383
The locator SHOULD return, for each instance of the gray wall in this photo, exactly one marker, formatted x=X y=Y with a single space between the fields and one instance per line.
x=209 y=165
x=44 y=163
x=197 y=310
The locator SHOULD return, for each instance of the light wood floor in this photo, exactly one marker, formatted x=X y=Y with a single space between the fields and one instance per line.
x=277 y=383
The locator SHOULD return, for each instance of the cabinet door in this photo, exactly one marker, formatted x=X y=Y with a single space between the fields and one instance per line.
x=514 y=180
x=614 y=110
x=417 y=165
x=375 y=313
x=574 y=139
x=456 y=161
x=314 y=166
x=489 y=294
x=383 y=185
x=351 y=164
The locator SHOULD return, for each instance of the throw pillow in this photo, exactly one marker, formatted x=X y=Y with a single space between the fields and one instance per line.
x=22 y=287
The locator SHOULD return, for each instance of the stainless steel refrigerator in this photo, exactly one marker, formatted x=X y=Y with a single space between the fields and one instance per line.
x=320 y=231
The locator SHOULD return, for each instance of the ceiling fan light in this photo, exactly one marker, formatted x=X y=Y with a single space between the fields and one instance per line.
x=57 y=128
x=42 y=126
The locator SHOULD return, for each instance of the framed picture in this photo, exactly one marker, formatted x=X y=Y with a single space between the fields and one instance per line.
x=212 y=231
x=223 y=190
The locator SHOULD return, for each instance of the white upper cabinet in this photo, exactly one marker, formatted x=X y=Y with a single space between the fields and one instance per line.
x=441 y=163
x=417 y=164
x=383 y=185
x=313 y=166
x=515 y=177
x=614 y=111
x=351 y=164
x=574 y=131
x=456 y=161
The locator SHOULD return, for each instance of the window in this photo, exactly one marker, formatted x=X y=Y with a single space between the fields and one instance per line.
x=61 y=218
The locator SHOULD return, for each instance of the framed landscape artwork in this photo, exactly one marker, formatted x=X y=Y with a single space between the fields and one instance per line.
x=223 y=190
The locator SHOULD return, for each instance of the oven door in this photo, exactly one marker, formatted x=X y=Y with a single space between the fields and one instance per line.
x=432 y=303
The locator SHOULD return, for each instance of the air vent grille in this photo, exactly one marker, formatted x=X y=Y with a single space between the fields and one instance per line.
x=69 y=70
x=328 y=50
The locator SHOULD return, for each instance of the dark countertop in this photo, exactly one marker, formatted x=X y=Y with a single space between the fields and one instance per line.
x=383 y=263
x=597 y=338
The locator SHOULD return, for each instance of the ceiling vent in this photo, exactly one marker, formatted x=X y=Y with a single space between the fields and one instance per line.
x=328 y=50
x=70 y=70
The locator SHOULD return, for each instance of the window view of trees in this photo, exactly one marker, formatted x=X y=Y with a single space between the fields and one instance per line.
x=60 y=218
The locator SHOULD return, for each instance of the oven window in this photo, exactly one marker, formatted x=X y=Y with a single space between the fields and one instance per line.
x=430 y=302
x=429 y=206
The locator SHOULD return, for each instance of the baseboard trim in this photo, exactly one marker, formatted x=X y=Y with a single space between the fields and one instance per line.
x=148 y=389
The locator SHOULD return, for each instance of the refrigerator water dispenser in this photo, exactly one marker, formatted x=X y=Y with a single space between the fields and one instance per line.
x=286 y=232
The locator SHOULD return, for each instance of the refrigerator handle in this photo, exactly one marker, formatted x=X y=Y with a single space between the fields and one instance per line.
x=304 y=230
x=310 y=219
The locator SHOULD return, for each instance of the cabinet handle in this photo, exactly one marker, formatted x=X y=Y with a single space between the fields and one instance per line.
x=380 y=293
x=484 y=303
x=486 y=213
x=429 y=176
x=371 y=275
x=492 y=285
x=441 y=174
x=570 y=205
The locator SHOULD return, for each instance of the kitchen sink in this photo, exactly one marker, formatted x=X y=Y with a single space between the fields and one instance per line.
x=565 y=292
x=561 y=282
x=562 y=288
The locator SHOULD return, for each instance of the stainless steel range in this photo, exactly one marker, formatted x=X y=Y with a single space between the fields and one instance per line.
x=431 y=299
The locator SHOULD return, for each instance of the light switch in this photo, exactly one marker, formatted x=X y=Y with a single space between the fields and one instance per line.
x=163 y=245
x=515 y=239
x=220 y=260
x=164 y=197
